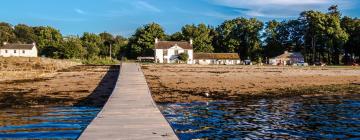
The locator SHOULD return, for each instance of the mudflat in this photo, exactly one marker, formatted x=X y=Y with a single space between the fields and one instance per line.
x=186 y=83
x=66 y=86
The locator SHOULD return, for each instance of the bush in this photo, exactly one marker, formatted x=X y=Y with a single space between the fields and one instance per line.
x=100 y=61
x=183 y=57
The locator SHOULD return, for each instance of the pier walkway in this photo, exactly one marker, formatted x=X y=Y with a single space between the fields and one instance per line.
x=130 y=112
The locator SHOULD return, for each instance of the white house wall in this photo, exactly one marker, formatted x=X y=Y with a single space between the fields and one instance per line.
x=159 y=55
x=19 y=53
x=216 y=62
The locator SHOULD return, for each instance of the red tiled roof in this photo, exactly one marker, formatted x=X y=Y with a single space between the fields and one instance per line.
x=169 y=44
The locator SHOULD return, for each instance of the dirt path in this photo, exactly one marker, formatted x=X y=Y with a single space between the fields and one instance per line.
x=77 y=85
x=184 y=83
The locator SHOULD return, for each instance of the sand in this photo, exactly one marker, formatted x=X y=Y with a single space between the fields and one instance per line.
x=186 y=83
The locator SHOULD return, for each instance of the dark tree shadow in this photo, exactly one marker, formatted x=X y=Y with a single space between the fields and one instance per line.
x=102 y=92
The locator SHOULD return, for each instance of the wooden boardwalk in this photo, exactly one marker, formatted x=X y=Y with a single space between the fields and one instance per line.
x=130 y=112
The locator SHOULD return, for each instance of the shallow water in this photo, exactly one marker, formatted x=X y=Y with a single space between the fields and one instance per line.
x=45 y=123
x=325 y=117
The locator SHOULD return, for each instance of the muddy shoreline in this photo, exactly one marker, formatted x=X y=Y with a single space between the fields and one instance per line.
x=188 y=83
x=81 y=85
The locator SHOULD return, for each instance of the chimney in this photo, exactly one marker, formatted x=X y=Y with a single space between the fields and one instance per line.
x=191 y=41
x=5 y=43
x=156 y=40
x=34 y=43
x=286 y=52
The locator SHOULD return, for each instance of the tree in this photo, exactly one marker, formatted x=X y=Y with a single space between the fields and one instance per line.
x=91 y=42
x=48 y=37
x=25 y=34
x=6 y=33
x=273 y=46
x=142 y=42
x=225 y=41
x=178 y=36
x=73 y=49
x=242 y=36
x=107 y=41
x=352 y=27
x=184 y=57
x=324 y=34
x=119 y=47
x=202 y=39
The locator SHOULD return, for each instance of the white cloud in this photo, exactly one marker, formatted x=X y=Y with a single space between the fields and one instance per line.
x=146 y=6
x=279 y=8
x=79 y=11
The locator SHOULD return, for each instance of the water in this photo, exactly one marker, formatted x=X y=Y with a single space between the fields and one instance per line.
x=326 y=117
x=45 y=123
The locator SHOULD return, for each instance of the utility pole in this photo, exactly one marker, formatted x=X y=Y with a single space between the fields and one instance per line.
x=110 y=52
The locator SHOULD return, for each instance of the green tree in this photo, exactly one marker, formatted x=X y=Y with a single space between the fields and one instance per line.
x=201 y=35
x=91 y=42
x=107 y=41
x=119 y=47
x=48 y=37
x=142 y=42
x=25 y=34
x=324 y=34
x=178 y=36
x=7 y=33
x=241 y=35
x=352 y=27
x=73 y=49
x=273 y=45
x=184 y=57
x=225 y=41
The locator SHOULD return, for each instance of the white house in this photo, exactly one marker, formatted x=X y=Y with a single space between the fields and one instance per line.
x=217 y=59
x=18 y=50
x=168 y=51
x=288 y=58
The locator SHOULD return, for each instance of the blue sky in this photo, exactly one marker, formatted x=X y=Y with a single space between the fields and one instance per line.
x=122 y=17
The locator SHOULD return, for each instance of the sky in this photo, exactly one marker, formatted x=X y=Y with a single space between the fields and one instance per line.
x=122 y=17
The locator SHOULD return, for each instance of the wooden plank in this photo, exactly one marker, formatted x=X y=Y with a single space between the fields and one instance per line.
x=130 y=112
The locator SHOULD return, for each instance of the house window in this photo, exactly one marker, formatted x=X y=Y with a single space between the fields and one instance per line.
x=176 y=52
x=14 y=51
x=186 y=52
x=23 y=51
x=165 y=53
x=5 y=51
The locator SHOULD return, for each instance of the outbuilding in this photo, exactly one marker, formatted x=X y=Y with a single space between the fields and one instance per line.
x=288 y=58
x=217 y=58
x=18 y=50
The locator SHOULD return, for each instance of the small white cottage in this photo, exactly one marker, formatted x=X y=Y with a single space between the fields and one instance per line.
x=18 y=50
x=288 y=58
x=217 y=58
x=168 y=51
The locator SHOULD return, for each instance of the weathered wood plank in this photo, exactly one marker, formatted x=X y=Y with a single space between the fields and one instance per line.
x=130 y=112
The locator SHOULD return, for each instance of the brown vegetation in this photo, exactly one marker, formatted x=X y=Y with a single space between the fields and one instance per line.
x=51 y=82
x=186 y=83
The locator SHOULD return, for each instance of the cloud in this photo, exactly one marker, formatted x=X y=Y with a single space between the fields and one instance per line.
x=278 y=8
x=79 y=11
x=146 y=6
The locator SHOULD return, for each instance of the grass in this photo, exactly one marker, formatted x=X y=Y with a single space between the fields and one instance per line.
x=100 y=61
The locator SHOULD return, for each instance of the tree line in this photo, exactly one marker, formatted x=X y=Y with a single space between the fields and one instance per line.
x=320 y=36
x=51 y=43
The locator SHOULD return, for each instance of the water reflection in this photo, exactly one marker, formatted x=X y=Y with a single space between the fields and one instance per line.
x=290 y=118
x=45 y=123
